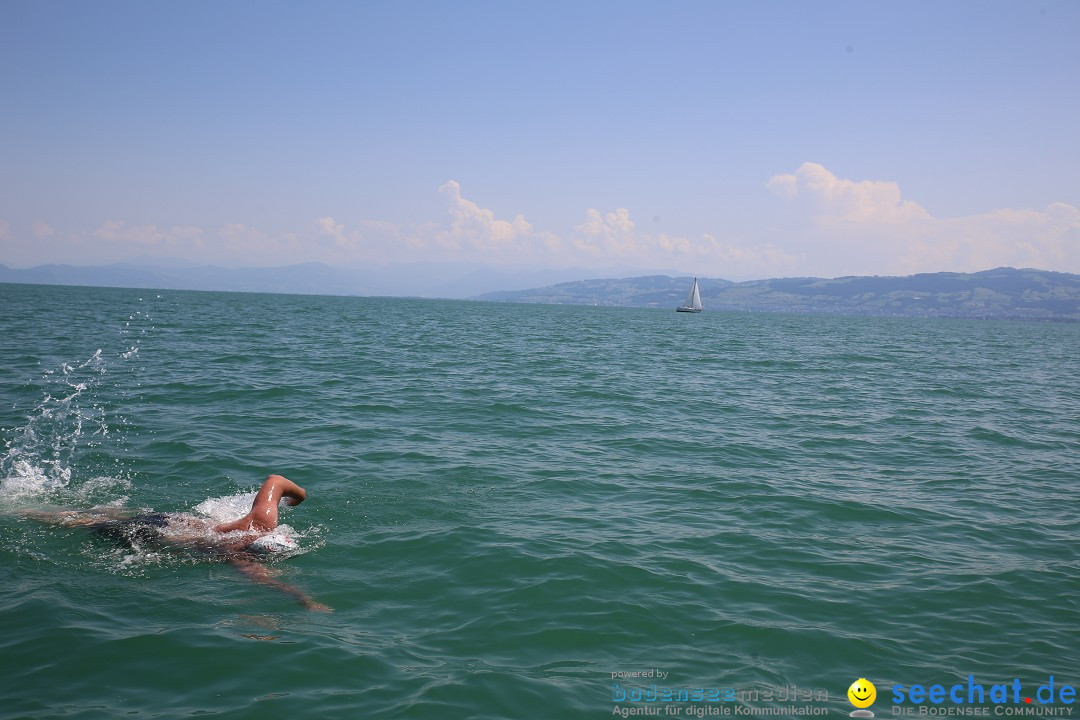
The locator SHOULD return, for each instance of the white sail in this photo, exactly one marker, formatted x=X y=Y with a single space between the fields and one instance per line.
x=693 y=300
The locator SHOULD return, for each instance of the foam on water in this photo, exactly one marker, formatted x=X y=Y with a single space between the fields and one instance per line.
x=284 y=539
x=188 y=535
x=41 y=454
x=41 y=464
x=226 y=508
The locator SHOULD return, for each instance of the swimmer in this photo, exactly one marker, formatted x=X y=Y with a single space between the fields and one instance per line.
x=264 y=509
x=241 y=542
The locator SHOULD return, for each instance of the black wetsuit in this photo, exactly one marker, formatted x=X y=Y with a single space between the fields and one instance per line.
x=141 y=528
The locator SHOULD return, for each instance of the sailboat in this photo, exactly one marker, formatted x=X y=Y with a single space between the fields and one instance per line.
x=693 y=300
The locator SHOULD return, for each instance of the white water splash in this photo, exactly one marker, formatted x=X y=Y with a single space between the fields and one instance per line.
x=40 y=461
x=39 y=457
x=232 y=507
x=226 y=508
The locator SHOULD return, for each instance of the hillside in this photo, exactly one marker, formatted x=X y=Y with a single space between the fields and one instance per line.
x=999 y=293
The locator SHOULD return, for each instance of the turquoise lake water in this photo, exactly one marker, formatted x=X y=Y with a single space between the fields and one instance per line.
x=510 y=504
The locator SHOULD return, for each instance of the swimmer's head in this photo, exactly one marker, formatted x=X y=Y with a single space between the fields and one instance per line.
x=273 y=543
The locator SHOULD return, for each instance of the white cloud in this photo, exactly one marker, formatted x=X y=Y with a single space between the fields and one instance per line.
x=386 y=242
x=603 y=240
x=245 y=245
x=476 y=227
x=834 y=226
x=615 y=237
x=607 y=235
x=1047 y=239
x=866 y=227
x=239 y=240
x=727 y=258
x=231 y=244
x=869 y=201
x=785 y=186
x=117 y=235
x=117 y=231
x=335 y=231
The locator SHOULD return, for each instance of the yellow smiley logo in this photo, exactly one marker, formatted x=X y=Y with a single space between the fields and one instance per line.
x=862 y=693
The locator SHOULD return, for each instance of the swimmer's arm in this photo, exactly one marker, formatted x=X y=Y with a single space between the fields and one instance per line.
x=260 y=574
x=293 y=493
x=76 y=518
x=264 y=509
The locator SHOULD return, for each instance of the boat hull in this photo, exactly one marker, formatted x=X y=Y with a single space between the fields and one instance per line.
x=687 y=309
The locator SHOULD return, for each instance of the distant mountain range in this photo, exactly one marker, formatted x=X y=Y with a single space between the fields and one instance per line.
x=423 y=279
x=310 y=278
x=999 y=293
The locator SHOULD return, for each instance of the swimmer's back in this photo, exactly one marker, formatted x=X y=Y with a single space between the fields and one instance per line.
x=128 y=531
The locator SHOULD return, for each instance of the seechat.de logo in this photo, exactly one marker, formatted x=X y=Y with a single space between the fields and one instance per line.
x=862 y=694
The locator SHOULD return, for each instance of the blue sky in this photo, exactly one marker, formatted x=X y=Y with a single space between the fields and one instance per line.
x=724 y=139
